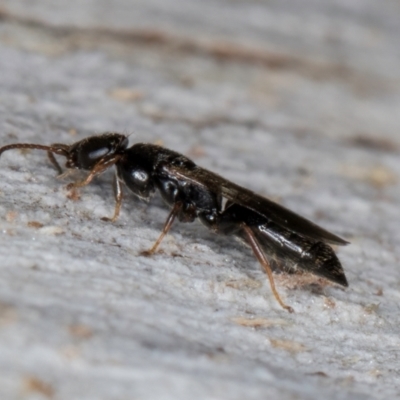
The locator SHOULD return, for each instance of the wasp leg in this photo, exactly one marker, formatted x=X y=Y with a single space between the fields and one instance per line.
x=258 y=252
x=58 y=148
x=176 y=209
x=99 y=168
x=118 y=199
x=234 y=220
x=54 y=162
x=66 y=173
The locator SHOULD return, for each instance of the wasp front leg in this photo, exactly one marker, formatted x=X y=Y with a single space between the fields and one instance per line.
x=98 y=169
x=61 y=149
x=118 y=199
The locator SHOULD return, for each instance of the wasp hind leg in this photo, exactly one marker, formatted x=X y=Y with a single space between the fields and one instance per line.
x=262 y=259
x=238 y=221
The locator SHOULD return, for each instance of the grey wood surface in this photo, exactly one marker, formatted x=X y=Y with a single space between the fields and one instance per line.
x=297 y=101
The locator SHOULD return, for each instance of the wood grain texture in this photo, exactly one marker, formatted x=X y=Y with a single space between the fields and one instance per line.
x=297 y=102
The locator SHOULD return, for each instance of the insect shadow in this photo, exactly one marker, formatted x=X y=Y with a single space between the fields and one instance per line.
x=275 y=234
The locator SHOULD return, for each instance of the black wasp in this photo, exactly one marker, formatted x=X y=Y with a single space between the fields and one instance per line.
x=274 y=233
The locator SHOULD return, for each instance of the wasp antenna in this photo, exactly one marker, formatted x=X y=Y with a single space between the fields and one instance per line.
x=129 y=135
x=56 y=148
x=27 y=146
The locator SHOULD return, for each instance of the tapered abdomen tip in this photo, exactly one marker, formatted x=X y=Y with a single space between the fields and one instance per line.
x=341 y=280
x=327 y=265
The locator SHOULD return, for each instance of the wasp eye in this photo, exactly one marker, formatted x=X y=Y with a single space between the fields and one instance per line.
x=98 y=153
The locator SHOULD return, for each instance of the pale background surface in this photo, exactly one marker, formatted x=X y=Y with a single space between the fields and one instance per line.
x=297 y=102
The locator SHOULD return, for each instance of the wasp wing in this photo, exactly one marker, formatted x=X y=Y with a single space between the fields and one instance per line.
x=261 y=205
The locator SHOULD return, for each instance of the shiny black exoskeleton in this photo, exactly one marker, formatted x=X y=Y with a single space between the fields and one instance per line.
x=274 y=233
